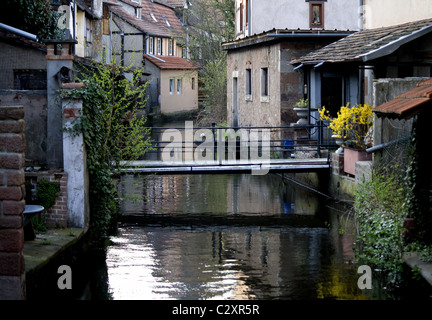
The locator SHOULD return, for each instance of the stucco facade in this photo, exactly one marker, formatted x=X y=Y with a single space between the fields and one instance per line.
x=384 y=13
x=256 y=16
x=179 y=91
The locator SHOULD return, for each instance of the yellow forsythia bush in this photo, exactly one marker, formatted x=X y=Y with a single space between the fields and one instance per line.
x=351 y=123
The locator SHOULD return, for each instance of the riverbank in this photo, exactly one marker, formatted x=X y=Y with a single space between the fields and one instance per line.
x=45 y=254
x=46 y=246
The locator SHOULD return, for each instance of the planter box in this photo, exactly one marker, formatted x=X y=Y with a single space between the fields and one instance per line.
x=351 y=156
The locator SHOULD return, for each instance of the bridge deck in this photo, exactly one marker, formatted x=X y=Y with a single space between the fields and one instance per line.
x=227 y=166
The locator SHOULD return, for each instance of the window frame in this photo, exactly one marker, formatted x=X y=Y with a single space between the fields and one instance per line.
x=265 y=84
x=159 y=46
x=151 y=45
x=248 y=84
x=320 y=6
x=179 y=86
x=170 y=47
x=171 y=85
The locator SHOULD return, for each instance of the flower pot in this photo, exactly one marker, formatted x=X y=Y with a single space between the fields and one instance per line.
x=351 y=156
x=339 y=141
x=302 y=113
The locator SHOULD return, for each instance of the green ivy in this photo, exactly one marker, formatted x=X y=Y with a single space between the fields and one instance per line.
x=46 y=192
x=114 y=129
x=379 y=211
x=34 y=16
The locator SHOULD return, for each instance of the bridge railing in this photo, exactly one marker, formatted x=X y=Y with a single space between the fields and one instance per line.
x=231 y=143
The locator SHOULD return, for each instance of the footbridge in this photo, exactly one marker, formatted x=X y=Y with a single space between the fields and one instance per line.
x=215 y=150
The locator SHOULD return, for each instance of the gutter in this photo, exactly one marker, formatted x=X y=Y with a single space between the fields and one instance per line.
x=19 y=32
x=252 y=40
x=391 y=47
x=319 y=34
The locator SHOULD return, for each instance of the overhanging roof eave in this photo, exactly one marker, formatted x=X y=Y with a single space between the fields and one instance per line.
x=394 y=45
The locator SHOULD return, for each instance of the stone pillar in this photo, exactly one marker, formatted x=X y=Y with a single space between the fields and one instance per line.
x=59 y=69
x=12 y=203
x=75 y=164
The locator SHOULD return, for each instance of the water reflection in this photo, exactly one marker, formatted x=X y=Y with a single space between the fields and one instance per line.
x=282 y=249
x=234 y=263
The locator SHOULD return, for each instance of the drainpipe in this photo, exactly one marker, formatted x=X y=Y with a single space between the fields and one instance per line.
x=361 y=13
x=19 y=32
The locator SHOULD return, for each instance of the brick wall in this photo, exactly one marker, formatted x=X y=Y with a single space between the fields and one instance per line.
x=12 y=203
x=57 y=215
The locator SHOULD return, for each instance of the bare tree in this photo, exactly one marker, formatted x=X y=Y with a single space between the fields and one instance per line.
x=210 y=23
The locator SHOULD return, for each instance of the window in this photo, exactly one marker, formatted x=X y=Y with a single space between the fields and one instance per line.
x=264 y=83
x=153 y=16
x=248 y=84
x=171 y=47
x=159 y=46
x=151 y=45
x=316 y=14
x=167 y=22
x=193 y=83
x=179 y=84
x=106 y=20
x=171 y=86
x=138 y=13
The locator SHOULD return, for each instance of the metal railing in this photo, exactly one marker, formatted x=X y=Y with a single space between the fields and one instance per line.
x=231 y=143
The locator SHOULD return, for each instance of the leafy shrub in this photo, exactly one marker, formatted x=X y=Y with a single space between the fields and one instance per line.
x=379 y=211
x=47 y=191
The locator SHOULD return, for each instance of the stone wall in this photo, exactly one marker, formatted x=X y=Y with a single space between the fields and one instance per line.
x=35 y=117
x=12 y=203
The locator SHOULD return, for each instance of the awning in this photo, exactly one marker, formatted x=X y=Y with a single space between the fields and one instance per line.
x=408 y=104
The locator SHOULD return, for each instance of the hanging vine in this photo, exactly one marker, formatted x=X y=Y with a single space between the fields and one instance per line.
x=114 y=129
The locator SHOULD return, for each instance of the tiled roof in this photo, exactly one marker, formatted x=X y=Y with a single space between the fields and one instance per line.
x=166 y=19
x=408 y=104
x=166 y=24
x=285 y=34
x=368 y=44
x=172 y=3
x=173 y=63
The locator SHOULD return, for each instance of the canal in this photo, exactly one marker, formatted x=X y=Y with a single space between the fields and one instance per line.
x=235 y=236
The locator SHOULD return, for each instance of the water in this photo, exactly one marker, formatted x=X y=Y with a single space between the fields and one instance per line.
x=228 y=237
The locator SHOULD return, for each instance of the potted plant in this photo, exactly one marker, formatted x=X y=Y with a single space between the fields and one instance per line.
x=302 y=111
x=353 y=125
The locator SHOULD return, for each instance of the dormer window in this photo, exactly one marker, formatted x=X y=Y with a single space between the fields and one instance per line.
x=153 y=16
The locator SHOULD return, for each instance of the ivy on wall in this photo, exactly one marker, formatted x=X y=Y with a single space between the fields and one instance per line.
x=113 y=124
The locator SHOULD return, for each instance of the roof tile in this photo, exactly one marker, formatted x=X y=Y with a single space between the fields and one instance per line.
x=173 y=63
x=408 y=104
x=364 y=43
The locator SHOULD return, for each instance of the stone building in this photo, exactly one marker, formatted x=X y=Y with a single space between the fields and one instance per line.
x=262 y=86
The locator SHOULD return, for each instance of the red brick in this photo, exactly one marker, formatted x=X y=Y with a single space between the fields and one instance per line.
x=11 y=222
x=11 y=160
x=11 y=240
x=11 y=113
x=11 y=263
x=11 y=126
x=11 y=193
x=13 y=208
x=15 y=177
x=12 y=142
